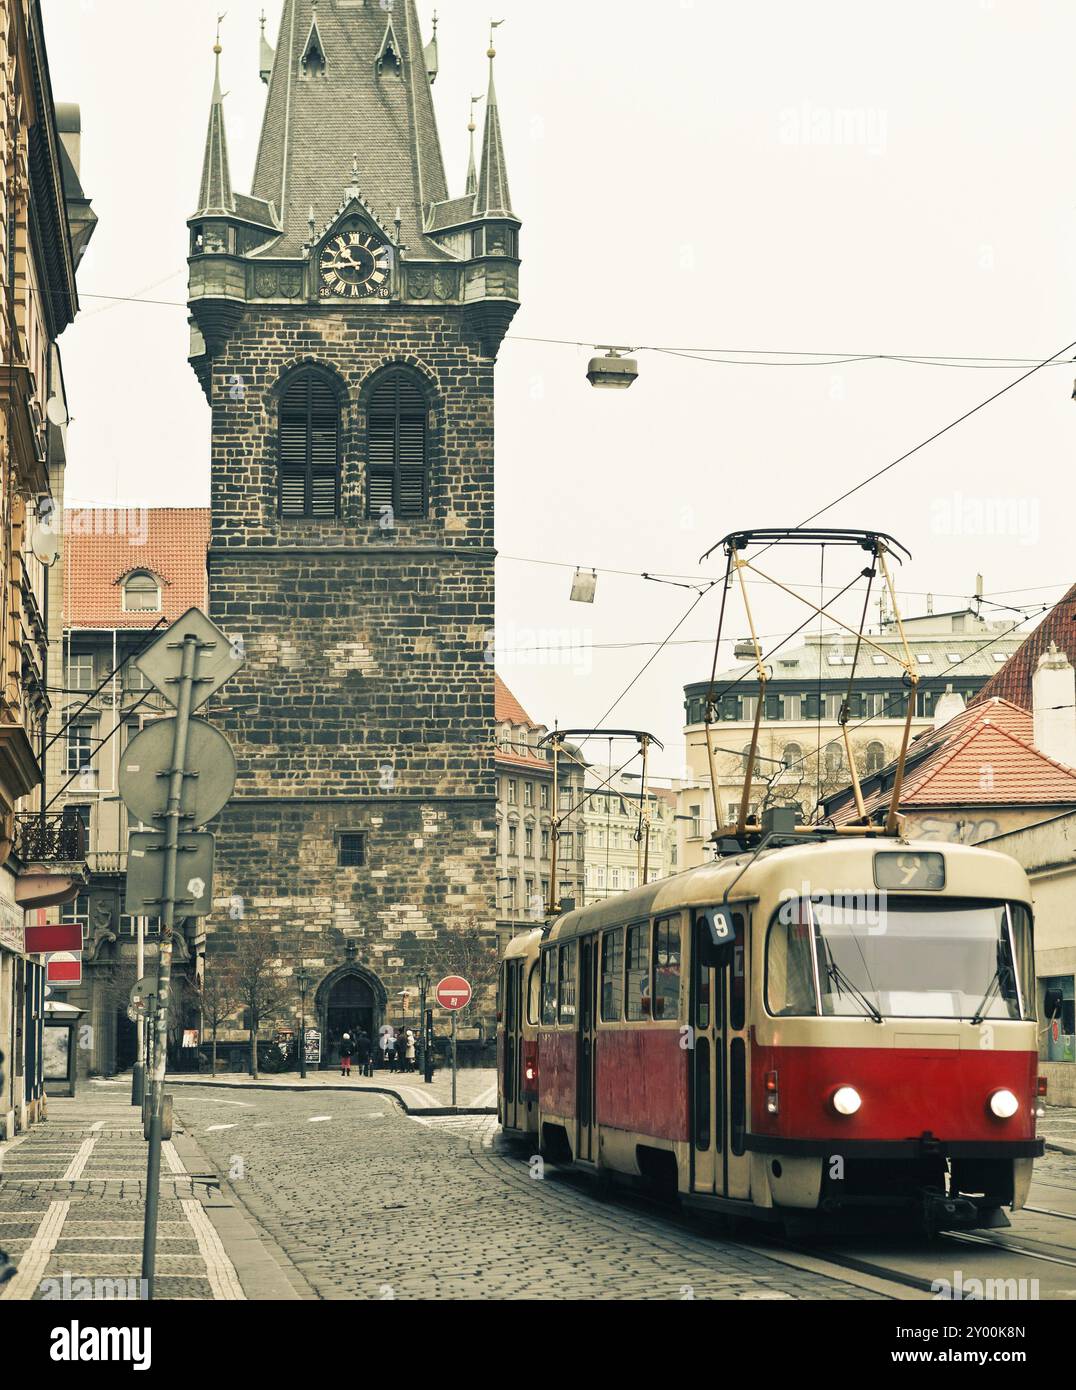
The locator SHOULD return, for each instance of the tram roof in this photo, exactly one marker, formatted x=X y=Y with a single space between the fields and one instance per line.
x=827 y=867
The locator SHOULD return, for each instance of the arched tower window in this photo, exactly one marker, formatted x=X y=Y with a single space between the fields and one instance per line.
x=309 y=459
x=397 y=450
x=141 y=593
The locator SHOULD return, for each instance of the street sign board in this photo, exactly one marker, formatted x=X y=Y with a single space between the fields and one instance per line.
x=145 y=874
x=312 y=1040
x=57 y=936
x=143 y=992
x=64 y=968
x=145 y=765
x=219 y=657
x=453 y=992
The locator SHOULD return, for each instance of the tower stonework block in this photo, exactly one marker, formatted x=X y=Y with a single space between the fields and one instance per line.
x=345 y=322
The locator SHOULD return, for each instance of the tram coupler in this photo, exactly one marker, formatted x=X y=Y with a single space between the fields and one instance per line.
x=943 y=1213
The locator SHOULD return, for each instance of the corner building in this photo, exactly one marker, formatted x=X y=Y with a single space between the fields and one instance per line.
x=346 y=317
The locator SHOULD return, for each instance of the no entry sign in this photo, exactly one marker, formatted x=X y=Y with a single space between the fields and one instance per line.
x=453 y=992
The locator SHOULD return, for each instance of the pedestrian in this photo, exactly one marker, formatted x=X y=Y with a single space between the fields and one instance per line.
x=410 y=1049
x=390 y=1050
x=345 y=1055
x=362 y=1053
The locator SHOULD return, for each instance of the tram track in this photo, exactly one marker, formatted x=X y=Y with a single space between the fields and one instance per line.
x=888 y=1267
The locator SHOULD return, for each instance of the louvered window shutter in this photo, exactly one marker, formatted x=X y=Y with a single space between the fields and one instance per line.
x=396 y=464
x=309 y=461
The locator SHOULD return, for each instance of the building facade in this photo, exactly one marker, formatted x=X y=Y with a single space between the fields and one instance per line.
x=801 y=757
x=45 y=225
x=614 y=815
x=346 y=318
x=525 y=811
x=125 y=572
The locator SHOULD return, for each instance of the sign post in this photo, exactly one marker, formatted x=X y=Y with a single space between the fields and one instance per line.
x=453 y=993
x=176 y=776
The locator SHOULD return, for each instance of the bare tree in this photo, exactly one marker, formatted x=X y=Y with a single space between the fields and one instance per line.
x=260 y=987
x=219 y=997
x=469 y=950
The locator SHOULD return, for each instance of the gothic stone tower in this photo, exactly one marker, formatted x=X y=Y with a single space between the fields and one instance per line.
x=345 y=321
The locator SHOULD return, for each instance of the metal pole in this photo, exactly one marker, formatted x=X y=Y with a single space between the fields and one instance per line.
x=138 y=1071
x=164 y=970
x=454 y=1011
x=302 y=1029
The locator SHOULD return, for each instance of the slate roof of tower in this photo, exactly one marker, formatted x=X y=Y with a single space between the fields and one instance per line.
x=215 y=194
x=493 y=195
x=1013 y=681
x=315 y=125
x=103 y=544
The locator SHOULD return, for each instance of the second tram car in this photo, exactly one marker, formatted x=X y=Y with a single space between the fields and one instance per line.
x=841 y=1027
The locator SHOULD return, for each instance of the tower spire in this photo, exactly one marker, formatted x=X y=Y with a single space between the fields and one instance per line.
x=267 y=53
x=493 y=196
x=472 y=170
x=215 y=194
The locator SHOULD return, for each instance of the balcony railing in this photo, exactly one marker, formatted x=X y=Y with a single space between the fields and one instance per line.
x=50 y=839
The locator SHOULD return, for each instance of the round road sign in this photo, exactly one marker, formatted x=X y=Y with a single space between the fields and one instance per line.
x=453 y=992
x=144 y=772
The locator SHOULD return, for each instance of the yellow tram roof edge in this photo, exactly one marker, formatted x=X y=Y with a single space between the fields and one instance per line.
x=980 y=873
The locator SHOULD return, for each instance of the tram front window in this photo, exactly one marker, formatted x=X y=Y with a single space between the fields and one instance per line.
x=900 y=958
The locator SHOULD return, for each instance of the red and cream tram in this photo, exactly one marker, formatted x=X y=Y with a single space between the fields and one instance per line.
x=840 y=1026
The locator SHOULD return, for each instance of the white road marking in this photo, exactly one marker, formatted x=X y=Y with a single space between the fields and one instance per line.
x=211 y=1128
x=36 y=1256
x=97 y=1124
x=78 y=1163
x=317 y=1119
x=222 y=1276
x=213 y=1100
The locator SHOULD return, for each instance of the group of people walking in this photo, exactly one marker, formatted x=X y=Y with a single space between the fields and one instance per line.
x=394 y=1049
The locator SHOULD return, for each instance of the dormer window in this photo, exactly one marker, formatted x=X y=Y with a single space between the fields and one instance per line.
x=141 y=593
x=313 y=61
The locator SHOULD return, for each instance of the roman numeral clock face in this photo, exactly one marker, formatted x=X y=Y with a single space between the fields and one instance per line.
x=355 y=265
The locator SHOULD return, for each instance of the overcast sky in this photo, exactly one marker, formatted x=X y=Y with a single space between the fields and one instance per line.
x=839 y=178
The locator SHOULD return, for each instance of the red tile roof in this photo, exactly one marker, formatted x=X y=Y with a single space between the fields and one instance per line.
x=103 y=544
x=982 y=757
x=1013 y=680
x=507 y=709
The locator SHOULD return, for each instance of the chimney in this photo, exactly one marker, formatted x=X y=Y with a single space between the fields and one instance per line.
x=1053 y=700
x=948 y=707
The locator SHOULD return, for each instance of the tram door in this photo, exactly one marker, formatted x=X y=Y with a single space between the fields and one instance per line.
x=719 y=1094
x=514 y=1107
x=586 y=1142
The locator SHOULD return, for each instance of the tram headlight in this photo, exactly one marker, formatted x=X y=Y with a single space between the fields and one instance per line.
x=1004 y=1104
x=846 y=1100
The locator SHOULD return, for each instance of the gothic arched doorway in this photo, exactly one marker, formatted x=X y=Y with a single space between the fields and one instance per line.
x=349 y=1000
x=350 y=1008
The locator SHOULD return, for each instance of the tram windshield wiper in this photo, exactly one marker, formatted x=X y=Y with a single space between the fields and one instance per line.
x=836 y=975
x=984 y=1002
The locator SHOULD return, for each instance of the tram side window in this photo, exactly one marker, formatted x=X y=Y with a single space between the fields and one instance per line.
x=612 y=975
x=667 y=968
x=534 y=994
x=567 y=982
x=637 y=982
x=549 y=986
x=789 y=969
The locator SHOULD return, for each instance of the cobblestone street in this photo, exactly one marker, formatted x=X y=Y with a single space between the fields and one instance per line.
x=370 y=1203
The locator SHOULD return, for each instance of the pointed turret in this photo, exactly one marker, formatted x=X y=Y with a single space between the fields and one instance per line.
x=494 y=200
x=265 y=67
x=215 y=195
x=472 y=170
x=430 y=54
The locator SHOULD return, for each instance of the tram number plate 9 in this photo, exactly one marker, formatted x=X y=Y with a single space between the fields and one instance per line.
x=894 y=870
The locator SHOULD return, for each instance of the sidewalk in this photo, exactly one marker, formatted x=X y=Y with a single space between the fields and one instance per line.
x=1058 y=1128
x=72 y=1204
x=476 y=1089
